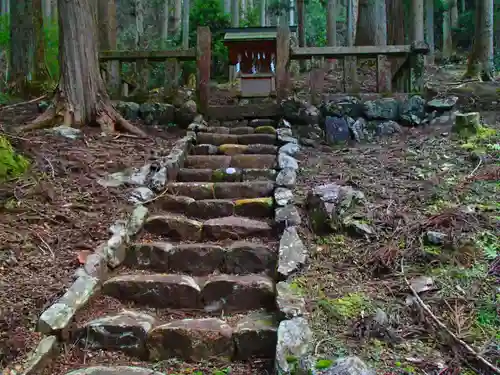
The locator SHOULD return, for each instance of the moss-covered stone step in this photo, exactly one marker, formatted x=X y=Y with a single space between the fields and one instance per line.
x=222 y=190
x=228 y=130
x=244 y=139
x=201 y=259
x=238 y=337
x=226 y=175
x=235 y=149
x=230 y=293
x=235 y=161
x=114 y=370
x=180 y=227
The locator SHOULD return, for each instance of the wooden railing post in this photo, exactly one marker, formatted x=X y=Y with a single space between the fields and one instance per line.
x=204 y=60
x=282 y=62
x=171 y=77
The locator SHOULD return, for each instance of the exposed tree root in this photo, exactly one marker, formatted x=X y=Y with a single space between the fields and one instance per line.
x=61 y=113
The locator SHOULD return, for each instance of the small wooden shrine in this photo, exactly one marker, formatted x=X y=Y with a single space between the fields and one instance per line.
x=254 y=49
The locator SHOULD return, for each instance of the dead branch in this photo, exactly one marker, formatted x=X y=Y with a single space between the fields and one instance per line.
x=23 y=103
x=441 y=325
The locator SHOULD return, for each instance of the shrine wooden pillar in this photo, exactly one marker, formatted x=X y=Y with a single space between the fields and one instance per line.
x=282 y=62
x=204 y=61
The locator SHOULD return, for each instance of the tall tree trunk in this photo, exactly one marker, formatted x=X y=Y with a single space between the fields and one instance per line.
x=395 y=29
x=418 y=20
x=40 y=71
x=140 y=44
x=22 y=45
x=185 y=23
x=227 y=6
x=108 y=40
x=235 y=13
x=447 y=49
x=372 y=31
x=454 y=14
x=164 y=24
x=176 y=22
x=263 y=17
x=81 y=97
x=480 y=64
x=243 y=10
x=4 y=8
x=429 y=30
x=331 y=23
x=292 y=13
x=47 y=10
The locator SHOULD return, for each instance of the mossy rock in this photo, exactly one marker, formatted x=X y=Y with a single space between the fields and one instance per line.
x=11 y=164
x=266 y=201
x=265 y=130
x=232 y=149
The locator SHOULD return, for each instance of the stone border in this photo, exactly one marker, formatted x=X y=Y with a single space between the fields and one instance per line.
x=55 y=322
x=294 y=334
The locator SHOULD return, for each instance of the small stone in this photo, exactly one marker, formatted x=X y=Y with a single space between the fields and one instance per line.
x=467 y=124
x=284 y=124
x=336 y=130
x=284 y=132
x=388 y=128
x=287 y=161
x=443 y=104
x=66 y=132
x=381 y=109
x=292 y=252
x=140 y=195
x=286 y=139
x=96 y=266
x=289 y=301
x=287 y=178
x=290 y=149
x=346 y=366
x=287 y=216
x=283 y=196
x=159 y=179
x=115 y=249
x=38 y=358
x=435 y=238
x=136 y=220
x=358 y=129
x=59 y=315
x=294 y=341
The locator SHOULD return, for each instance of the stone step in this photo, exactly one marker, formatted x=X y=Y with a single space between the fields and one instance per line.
x=180 y=227
x=226 y=175
x=222 y=190
x=201 y=259
x=235 y=161
x=114 y=370
x=244 y=139
x=239 y=337
x=212 y=208
x=239 y=130
x=234 y=149
x=223 y=292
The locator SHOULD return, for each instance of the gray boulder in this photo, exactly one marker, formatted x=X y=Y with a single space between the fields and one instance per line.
x=336 y=130
x=128 y=110
x=186 y=113
x=157 y=113
x=381 y=109
x=346 y=106
x=413 y=111
x=299 y=112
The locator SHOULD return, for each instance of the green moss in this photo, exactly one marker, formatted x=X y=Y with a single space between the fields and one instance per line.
x=265 y=130
x=218 y=175
x=347 y=307
x=268 y=202
x=323 y=364
x=11 y=164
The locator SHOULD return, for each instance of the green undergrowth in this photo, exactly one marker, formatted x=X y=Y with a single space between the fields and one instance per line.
x=11 y=164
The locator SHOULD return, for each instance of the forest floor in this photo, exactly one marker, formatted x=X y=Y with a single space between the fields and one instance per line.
x=422 y=180
x=53 y=213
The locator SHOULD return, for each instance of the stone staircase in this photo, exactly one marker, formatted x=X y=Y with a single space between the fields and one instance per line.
x=200 y=280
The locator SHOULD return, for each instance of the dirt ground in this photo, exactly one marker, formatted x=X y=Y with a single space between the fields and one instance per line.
x=52 y=213
x=421 y=180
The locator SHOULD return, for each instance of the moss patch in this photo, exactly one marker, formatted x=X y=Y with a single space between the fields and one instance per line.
x=265 y=130
x=232 y=149
x=268 y=202
x=11 y=163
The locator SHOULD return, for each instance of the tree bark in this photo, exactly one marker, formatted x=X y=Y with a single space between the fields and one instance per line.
x=227 y=6
x=47 y=9
x=372 y=31
x=185 y=24
x=81 y=97
x=263 y=17
x=454 y=14
x=243 y=10
x=395 y=29
x=40 y=70
x=331 y=23
x=447 y=49
x=429 y=30
x=108 y=40
x=176 y=22
x=480 y=64
x=235 y=13
x=292 y=13
x=164 y=22
x=418 y=20
x=22 y=46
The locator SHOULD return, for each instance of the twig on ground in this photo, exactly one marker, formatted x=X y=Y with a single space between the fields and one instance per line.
x=23 y=103
x=45 y=244
x=477 y=167
x=441 y=325
x=164 y=192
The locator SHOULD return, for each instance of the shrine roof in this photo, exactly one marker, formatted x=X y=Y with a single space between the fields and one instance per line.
x=252 y=33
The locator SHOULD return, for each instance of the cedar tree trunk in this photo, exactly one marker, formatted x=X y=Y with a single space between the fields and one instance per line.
x=81 y=97
x=480 y=63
